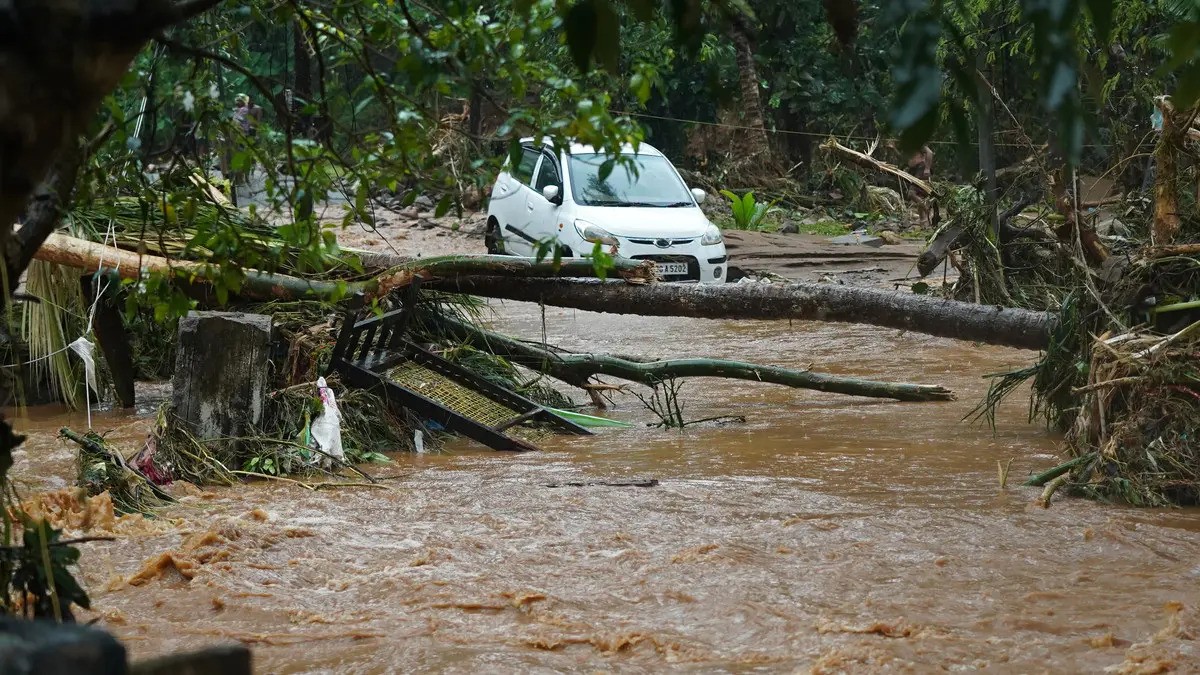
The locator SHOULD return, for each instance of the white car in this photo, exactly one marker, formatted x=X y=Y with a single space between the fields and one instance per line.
x=647 y=215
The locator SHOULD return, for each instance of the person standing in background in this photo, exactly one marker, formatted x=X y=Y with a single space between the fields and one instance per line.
x=921 y=166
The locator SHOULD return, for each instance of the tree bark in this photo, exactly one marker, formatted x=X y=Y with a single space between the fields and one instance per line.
x=987 y=147
x=1166 y=200
x=112 y=338
x=748 y=80
x=577 y=369
x=797 y=301
x=57 y=62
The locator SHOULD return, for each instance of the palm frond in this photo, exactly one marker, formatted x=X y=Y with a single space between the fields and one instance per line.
x=47 y=327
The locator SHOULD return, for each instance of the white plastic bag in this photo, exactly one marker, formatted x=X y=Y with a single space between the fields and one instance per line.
x=327 y=429
x=87 y=353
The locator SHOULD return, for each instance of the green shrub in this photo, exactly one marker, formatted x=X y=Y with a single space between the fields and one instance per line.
x=748 y=213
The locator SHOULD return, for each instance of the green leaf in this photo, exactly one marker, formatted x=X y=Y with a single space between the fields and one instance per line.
x=1183 y=40
x=919 y=100
x=1102 y=17
x=1187 y=91
x=443 y=206
x=962 y=136
x=514 y=154
x=580 y=23
x=1062 y=84
x=608 y=36
x=362 y=105
x=644 y=10
x=605 y=170
x=640 y=86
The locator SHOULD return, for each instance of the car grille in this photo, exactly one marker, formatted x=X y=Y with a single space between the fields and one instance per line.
x=656 y=242
x=693 y=266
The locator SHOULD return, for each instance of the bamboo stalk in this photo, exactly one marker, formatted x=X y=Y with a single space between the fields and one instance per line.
x=578 y=368
x=1050 y=489
x=1044 y=477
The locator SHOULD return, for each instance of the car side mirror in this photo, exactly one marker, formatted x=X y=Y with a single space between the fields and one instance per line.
x=699 y=194
x=551 y=193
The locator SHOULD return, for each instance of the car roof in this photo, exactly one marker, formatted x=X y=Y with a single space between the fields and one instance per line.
x=579 y=149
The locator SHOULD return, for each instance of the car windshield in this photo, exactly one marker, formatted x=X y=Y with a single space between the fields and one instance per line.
x=642 y=180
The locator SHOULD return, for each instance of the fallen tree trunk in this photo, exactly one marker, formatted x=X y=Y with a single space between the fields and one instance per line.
x=799 y=301
x=578 y=369
x=257 y=285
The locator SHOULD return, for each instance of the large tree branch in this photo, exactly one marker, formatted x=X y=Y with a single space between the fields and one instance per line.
x=44 y=211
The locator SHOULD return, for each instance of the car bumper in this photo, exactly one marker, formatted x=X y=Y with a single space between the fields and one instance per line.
x=705 y=264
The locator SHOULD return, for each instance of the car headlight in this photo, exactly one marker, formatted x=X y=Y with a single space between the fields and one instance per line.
x=712 y=236
x=592 y=233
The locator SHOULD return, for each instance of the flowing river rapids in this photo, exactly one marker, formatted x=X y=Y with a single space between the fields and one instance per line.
x=826 y=534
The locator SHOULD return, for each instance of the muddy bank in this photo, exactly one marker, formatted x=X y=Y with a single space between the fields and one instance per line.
x=808 y=257
x=827 y=533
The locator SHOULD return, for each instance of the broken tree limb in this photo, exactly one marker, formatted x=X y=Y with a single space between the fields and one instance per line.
x=1172 y=251
x=866 y=161
x=947 y=239
x=1063 y=188
x=799 y=301
x=257 y=285
x=953 y=236
x=577 y=369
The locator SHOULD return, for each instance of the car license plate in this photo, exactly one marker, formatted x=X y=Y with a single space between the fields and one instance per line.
x=672 y=268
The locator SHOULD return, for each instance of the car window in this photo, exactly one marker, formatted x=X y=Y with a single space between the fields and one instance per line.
x=642 y=180
x=524 y=171
x=548 y=174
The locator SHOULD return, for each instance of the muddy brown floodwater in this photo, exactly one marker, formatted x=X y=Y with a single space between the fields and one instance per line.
x=827 y=534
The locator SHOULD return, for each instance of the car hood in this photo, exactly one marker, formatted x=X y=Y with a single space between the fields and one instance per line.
x=637 y=221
